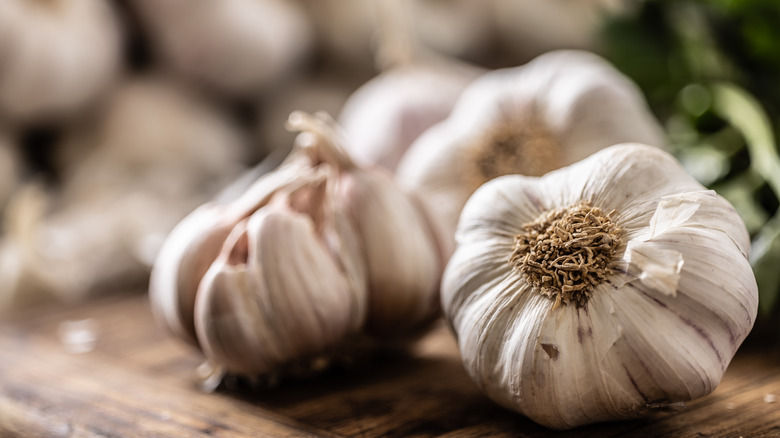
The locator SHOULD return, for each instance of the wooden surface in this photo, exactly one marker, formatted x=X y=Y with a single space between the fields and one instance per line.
x=137 y=381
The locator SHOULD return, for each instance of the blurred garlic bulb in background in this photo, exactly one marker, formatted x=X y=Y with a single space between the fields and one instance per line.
x=551 y=112
x=345 y=32
x=416 y=89
x=10 y=169
x=57 y=56
x=313 y=256
x=599 y=291
x=233 y=46
x=157 y=153
x=383 y=117
x=528 y=28
x=464 y=29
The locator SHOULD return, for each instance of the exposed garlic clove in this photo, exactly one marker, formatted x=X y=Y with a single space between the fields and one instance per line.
x=551 y=112
x=401 y=253
x=383 y=117
x=601 y=290
x=57 y=57
x=234 y=46
x=278 y=294
x=193 y=246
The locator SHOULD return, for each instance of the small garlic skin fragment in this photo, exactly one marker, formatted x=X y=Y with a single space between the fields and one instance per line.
x=58 y=56
x=661 y=328
x=383 y=117
x=553 y=111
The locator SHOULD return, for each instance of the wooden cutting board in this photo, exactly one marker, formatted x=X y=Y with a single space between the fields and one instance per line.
x=136 y=381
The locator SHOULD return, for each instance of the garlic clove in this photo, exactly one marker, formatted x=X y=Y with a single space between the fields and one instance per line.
x=189 y=250
x=275 y=295
x=401 y=254
x=193 y=245
x=403 y=288
x=658 y=326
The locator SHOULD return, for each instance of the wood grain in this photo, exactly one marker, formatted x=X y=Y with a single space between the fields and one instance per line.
x=140 y=382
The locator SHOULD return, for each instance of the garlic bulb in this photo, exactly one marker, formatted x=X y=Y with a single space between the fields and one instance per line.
x=157 y=153
x=554 y=111
x=311 y=257
x=235 y=46
x=57 y=56
x=601 y=290
x=460 y=28
x=383 y=117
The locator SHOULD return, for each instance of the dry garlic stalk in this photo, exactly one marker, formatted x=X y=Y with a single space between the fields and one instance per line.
x=309 y=258
x=57 y=55
x=235 y=46
x=557 y=109
x=601 y=290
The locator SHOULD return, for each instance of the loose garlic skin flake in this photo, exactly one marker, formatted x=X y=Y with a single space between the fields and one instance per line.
x=657 y=324
x=555 y=110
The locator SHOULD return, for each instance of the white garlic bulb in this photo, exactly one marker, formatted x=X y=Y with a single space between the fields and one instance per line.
x=312 y=256
x=551 y=112
x=383 y=117
x=157 y=153
x=601 y=290
x=235 y=46
x=57 y=56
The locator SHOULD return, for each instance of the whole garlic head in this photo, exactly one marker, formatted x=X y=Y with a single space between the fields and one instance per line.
x=56 y=56
x=601 y=290
x=551 y=112
x=311 y=257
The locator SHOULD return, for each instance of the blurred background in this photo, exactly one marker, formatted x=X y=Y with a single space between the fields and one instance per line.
x=119 y=117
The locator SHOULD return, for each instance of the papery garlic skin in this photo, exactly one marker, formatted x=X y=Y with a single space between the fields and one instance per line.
x=57 y=56
x=383 y=117
x=233 y=46
x=678 y=301
x=558 y=109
